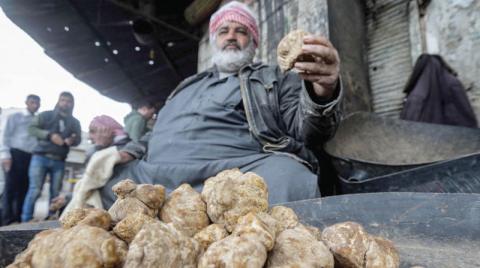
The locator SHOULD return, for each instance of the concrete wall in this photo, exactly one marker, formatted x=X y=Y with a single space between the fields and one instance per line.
x=348 y=35
x=415 y=31
x=453 y=31
x=204 y=51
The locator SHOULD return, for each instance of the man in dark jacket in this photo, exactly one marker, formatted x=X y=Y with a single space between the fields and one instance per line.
x=55 y=131
x=242 y=115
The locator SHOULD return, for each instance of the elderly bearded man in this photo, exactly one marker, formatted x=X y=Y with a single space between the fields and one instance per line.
x=240 y=114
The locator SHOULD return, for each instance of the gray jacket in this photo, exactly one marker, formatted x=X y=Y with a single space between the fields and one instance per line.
x=280 y=112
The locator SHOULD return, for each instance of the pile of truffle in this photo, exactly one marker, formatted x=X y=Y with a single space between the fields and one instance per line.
x=228 y=225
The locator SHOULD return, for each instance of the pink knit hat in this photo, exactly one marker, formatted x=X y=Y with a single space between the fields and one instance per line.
x=236 y=12
x=108 y=122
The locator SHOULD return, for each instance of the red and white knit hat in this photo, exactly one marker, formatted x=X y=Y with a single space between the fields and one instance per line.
x=236 y=12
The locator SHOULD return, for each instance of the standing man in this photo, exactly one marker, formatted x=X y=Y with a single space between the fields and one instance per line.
x=241 y=114
x=55 y=131
x=136 y=121
x=16 y=154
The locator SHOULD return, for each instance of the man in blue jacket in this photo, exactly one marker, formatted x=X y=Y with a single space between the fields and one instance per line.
x=55 y=131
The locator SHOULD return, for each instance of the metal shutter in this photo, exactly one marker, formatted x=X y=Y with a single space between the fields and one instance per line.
x=389 y=58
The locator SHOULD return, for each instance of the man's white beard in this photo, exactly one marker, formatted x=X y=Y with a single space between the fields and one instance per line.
x=230 y=61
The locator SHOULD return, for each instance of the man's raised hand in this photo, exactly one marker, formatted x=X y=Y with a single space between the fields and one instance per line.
x=324 y=71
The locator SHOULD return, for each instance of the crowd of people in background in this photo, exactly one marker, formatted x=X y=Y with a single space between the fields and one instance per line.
x=35 y=147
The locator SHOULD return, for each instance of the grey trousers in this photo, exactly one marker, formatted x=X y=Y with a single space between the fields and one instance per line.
x=286 y=178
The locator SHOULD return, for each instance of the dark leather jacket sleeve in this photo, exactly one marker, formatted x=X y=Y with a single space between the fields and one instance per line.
x=306 y=120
